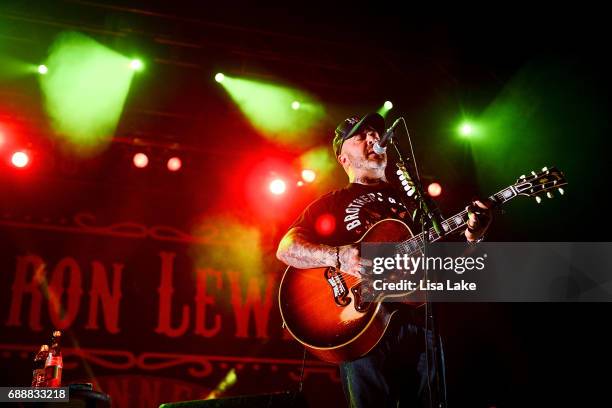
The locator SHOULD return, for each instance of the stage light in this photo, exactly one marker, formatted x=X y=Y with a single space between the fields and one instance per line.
x=466 y=129
x=325 y=224
x=385 y=108
x=136 y=65
x=84 y=91
x=20 y=159
x=299 y=183
x=277 y=186
x=140 y=160
x=42 y=69
x=308 y=175
x=219 y=77
x=278 y=112
x=434 y=189
x=174 y=164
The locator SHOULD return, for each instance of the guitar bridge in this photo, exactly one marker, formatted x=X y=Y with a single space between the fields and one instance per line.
x=339 y=289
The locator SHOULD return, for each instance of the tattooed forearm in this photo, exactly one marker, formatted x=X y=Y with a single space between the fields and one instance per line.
x=296 y=251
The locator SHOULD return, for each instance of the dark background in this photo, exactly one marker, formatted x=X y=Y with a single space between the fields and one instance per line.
x=432 y=66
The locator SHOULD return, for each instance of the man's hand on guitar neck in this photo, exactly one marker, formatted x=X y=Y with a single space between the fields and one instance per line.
x=479 y=219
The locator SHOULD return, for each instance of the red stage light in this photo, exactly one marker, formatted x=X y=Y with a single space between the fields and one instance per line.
x=308 y=175
x=140 y=160
x=325 y=224
x=277 y=186
x=434 y=189
x=20 y=159
x=174 y=164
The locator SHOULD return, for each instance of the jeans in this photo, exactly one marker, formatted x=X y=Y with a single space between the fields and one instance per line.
x=394 y=373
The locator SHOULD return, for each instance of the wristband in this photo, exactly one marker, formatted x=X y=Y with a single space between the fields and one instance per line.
x=338 y=258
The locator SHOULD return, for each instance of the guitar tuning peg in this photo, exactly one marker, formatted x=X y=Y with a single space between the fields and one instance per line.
x=522 y=177
x=561 y=191
x=538 y=199
x=549 y=195
x=544 y=168
x=399 y=172
x=533 y=172
x=404 y=182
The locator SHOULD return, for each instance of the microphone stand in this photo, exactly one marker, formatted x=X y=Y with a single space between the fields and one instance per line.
x=430 y=216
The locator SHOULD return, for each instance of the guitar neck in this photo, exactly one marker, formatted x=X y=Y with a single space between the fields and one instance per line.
x=452 y=224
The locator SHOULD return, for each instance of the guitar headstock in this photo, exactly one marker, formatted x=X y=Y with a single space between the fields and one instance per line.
x=543 y=183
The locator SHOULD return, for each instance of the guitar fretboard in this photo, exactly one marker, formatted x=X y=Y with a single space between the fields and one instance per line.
x=416 y=244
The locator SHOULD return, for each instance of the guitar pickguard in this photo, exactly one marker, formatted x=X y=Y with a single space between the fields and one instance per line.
x=357 y=291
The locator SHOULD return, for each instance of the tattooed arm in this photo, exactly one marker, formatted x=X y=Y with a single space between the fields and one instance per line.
x=295 y=250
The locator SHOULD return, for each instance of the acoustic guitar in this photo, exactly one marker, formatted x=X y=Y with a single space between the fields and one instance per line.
x=322 y=307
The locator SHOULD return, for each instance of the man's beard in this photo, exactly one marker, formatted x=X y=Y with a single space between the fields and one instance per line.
x=371 y=161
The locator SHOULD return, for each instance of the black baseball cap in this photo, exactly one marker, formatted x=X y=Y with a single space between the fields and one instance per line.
x=351 y=126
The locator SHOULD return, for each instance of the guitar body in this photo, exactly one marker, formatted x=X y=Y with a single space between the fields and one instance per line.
x=322 y=309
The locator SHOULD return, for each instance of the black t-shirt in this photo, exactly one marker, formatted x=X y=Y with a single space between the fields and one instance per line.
x=343 y=216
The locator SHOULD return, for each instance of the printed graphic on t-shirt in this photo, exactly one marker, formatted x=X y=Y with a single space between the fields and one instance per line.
x=367 y=209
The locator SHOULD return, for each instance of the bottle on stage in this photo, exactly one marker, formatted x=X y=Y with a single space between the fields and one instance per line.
x=38 y=371
x=54 y=363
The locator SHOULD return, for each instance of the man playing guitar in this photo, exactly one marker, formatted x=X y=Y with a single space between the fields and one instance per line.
x=325 y=235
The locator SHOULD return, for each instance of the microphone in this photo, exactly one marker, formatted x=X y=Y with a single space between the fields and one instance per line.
x=380 y=147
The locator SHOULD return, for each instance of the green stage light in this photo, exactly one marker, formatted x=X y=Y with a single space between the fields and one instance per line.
x=271 y=109
x=320 y=163
x=219 y=77
x=84 y=90
x=42 y=69
x=385 y=108
x=466 y=129
x=11 y=68
x=136 y=65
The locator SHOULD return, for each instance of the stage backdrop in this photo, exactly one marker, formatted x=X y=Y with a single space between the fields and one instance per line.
x=158 y=303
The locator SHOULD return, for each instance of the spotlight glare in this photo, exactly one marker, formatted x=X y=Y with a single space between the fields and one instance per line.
x=295 y=105
x=136 y=64
x=174 y=164
x=466 y=129
x=20 y=159
x=434 y=189
x=219 y=77
x=277 y=186
x=141 y=160
x=388 y=105
x=308 y=175
x=325 y=224
x=42 y=69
